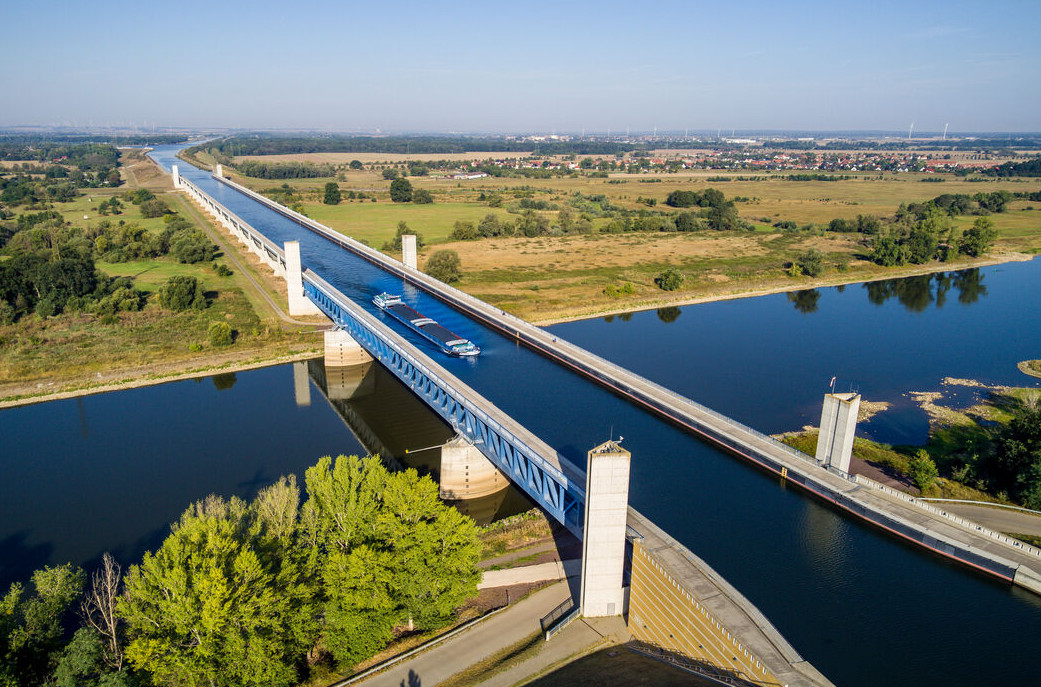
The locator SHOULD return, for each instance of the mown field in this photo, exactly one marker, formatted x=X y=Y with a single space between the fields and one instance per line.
x=554 y=277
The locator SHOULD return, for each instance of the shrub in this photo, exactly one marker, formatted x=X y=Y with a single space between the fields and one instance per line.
x=922 y=470
x=669 y=280
x=444 y=265
x=154 y=208
x=422 y=197
x=181 y=293
x=192 y=246
x=220 y=334
x=811 y=263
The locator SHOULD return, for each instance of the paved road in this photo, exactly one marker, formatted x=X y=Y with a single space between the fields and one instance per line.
x=475 y=644
x=1000 y=519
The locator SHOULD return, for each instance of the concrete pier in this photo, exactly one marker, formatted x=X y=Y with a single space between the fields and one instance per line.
x=838 y=425
x=408 y=251
x=299 y=304
x=466 y=473
x=176 y=176
x=347 y=366
x=603 y=543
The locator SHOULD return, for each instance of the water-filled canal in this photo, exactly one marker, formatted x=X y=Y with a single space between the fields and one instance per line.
x=864 y=608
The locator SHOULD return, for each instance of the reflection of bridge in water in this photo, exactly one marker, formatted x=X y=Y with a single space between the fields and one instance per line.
x=390 y=421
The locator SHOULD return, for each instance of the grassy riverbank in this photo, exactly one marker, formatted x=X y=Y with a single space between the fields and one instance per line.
x=79 y=352
x=966 y=445
x=552 y=278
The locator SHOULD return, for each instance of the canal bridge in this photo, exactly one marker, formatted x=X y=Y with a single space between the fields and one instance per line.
x=556 y=483
x=549 y=478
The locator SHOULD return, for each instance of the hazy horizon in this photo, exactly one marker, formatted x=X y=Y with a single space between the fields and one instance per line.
x=543 y=67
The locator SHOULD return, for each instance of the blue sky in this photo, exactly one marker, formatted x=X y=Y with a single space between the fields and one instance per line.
x=523 y=66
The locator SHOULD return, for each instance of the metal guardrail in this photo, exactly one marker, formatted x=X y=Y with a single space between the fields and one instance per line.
x=559 y=618
x=557 y=613
x=916 y=502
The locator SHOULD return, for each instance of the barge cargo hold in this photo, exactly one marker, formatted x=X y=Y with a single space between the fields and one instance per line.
x=449 y=343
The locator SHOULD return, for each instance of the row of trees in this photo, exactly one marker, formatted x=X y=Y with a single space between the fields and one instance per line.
x=254 y=593
x=283 y=170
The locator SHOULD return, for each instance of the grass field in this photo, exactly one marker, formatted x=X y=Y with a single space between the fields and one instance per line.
x=550 y=278
x=78 y=350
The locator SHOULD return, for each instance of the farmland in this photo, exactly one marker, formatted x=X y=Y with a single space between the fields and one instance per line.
x=555 y=276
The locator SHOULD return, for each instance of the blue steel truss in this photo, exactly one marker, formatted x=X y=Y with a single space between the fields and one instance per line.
x=459 y=405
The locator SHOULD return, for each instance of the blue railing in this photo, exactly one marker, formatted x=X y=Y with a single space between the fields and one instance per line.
x=521 y=456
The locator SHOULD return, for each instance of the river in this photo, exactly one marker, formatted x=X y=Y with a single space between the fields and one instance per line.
x=864 y=608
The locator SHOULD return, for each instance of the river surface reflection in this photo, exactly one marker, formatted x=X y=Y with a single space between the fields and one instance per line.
x=767 y=361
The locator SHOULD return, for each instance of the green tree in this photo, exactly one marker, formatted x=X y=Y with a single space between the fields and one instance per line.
x=82 y=664
x=220 y=334
x=922 y=470
x=979 y=239
x=464 y=231
x=154 y=208
x=421 y=196
x=332 y=194
x=356 y=164
x=390 y=174
x=181 y=292
x=887 y=252
x=401 y=191
x=387 y=550
x=669 y=280
x=444 y=265
x=811 y=263
x=215 y=605
x=191 y=246
x=31 y=627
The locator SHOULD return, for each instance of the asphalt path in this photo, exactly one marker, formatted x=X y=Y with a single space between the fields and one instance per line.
x=478 y=642
x=1000 y=519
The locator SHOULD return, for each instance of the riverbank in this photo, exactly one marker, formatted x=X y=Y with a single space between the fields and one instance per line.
x=775 y=286
x=133 y=378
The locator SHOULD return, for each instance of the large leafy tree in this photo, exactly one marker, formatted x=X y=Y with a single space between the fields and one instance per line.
x=387 y=550
x=401 y=190
x=977 y=240
x=220 y=603
x=444 y=265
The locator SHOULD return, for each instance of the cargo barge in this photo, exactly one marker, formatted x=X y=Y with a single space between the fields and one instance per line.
x=449 y=343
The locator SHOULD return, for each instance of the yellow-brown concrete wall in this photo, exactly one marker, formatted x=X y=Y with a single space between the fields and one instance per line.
x=662 y=613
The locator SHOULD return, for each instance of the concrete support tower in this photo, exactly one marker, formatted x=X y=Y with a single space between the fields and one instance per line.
x=219 y=172
x=838 y=425
x=466 y=473
x=176 y=176
x=603 y=538
x=343 y=351
x=299 y=304
x=408 y=250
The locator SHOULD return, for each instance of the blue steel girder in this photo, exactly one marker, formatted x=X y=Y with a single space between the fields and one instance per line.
x=563 y=498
